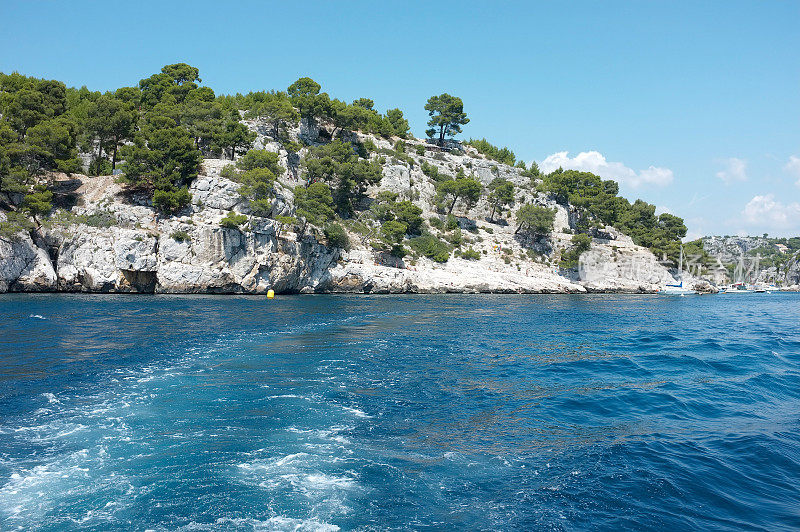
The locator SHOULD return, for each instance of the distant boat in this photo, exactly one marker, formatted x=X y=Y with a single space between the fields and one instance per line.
x=739 y=288
x=677 y=289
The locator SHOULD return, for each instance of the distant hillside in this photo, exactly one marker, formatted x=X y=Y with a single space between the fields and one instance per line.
x=751 y=258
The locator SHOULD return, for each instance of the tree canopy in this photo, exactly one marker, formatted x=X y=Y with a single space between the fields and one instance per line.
x=446 y=116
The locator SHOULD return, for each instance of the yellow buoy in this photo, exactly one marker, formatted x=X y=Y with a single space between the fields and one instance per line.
x=270 y=294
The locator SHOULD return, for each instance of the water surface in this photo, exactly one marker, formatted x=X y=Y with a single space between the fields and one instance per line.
x=468 y=412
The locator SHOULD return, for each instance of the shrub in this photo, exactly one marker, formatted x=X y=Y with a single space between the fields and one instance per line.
x=370 y=146
x=431 y=247
x=259 y=159
x=337 y=236
x=233 y=220
x=180 y=236
x=15 y=222
x=455 y=238
x=470 y=254
x=171 y=201
x=452 y=223
x=420 y=149
x=580 y=243
x=100 y=219
x=430 y=171
x=503 y=155
x=436 y=222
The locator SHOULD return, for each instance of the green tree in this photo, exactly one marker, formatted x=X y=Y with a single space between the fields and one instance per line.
x=305 y=96
x=162 y=163
x=501 y=194
x=38 y=202
x=51 y=146
x=396 y=123
x=314 y=204
x=580 y=243
x=535 y=219
x=337 y=236
x=111 y=122
x=393 y=233
x=468 y=190
x=408 y=214
x=338 y=164
x=258 y=170
x=447 y=116
x=236 y=138
x=174 y=80
x=276 y=108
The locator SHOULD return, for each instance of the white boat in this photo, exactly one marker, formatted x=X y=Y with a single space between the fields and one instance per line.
x=739 y=288
x=677 y=289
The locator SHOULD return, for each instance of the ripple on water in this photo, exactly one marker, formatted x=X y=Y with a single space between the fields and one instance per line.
x=459 y=412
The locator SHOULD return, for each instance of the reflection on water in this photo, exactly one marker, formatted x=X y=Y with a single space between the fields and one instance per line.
x=442 y=412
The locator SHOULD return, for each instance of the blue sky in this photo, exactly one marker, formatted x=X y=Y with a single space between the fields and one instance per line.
x=692 y=106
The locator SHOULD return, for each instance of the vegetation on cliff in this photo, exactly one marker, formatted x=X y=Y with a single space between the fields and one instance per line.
x=155 y=134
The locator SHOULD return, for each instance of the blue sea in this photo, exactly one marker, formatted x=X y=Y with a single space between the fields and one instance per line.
x=412 y=412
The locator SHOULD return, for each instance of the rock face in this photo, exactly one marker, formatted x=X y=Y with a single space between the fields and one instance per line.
x=139 y=251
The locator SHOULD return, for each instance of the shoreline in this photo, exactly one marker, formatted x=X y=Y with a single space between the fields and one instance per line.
x=376 y=293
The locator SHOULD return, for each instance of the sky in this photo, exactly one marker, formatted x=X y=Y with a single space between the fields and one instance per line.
x=691 y=106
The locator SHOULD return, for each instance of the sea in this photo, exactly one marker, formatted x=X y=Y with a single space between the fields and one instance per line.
x=400 y=412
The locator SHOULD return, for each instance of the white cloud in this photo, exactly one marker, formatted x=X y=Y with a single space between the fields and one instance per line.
x=793 y=168
x=767 y=213
x=595 y=162
x=735 y=170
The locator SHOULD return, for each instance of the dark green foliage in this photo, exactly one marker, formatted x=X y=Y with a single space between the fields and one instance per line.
x=276 y=108
x=580 y=243
x=432 y=171
x=337 y=236
x=38 y=202
x=470 y=254
x=501 y=195
x=532 y=172
x=436 y=222
x=170 y=201
x=236 y=138
x=502 y=155
x=15 y=223
x=597 y=204
x=110 y=121
x=314 y=203
x=339 y=165
x=447 y=116
x=420 y=149
x=162 y=161
x=467 y=190
x=535 y=219
x=180 y=236
x=451 y=222
x=37 y=135
x=395 y=124
x=254 y=159
x=258 y=170
x=305 y=96
x=393 y=231
x=409 y=214
x=233 y=220
x=431 y=247
x=174 y=81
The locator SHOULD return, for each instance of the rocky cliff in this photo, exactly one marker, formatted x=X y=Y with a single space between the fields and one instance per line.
x=107 y=240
